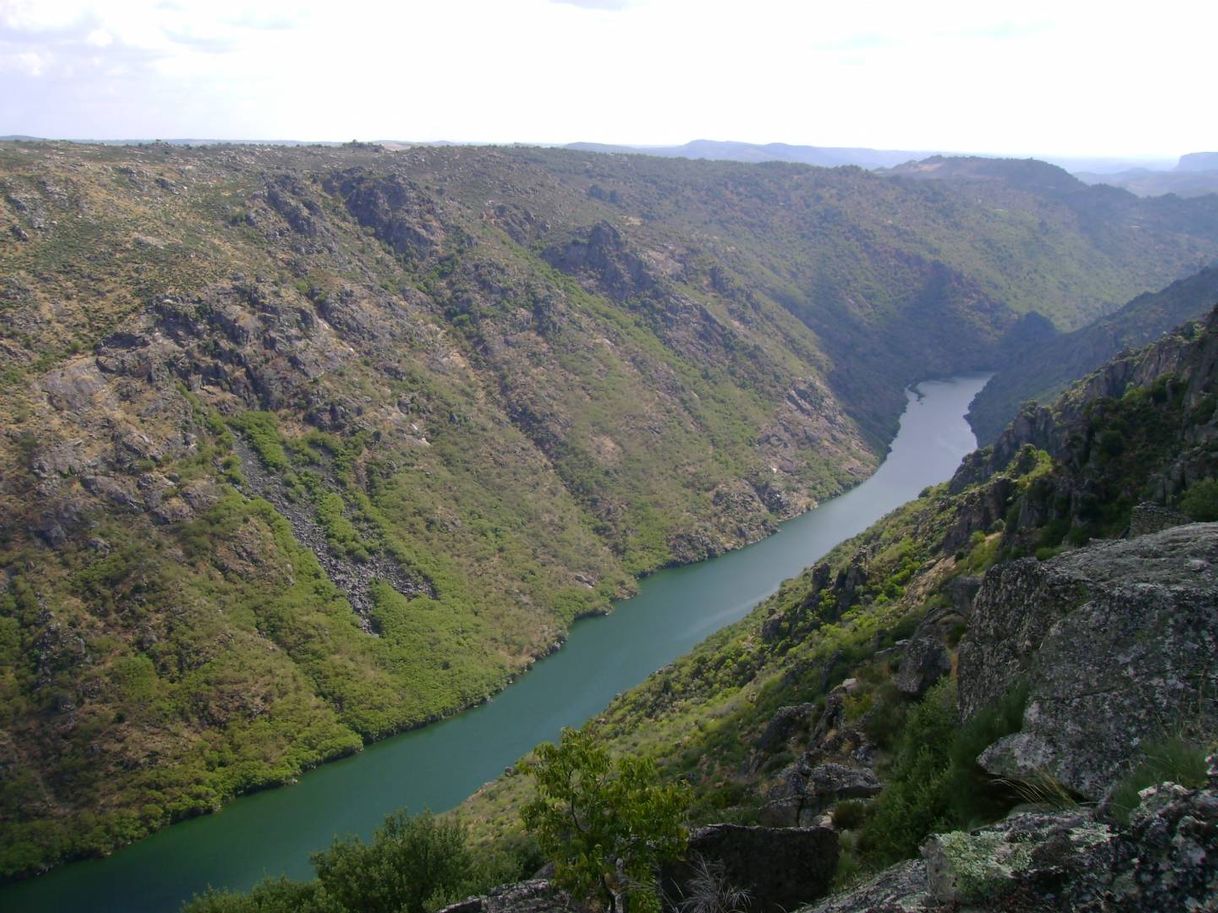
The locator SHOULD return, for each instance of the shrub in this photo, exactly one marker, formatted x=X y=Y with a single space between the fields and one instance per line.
x=411 y=865
x=271 y=896
x=1200 y=502
x=934 y=782
x=849 y=815
x=1170 y=760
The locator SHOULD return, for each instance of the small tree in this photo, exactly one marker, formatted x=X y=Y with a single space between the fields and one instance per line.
x=412 y=865
x=607 y=825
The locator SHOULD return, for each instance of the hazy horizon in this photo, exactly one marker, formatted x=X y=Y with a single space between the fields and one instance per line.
x=1036 y=80
x=1082 y=163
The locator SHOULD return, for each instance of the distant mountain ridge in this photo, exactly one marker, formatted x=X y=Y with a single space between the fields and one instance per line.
x=1194 y=175
x=730 y=151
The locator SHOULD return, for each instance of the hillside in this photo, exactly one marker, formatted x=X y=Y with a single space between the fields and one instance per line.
x=304 y=446
x=989 y=645
x=1040 y=362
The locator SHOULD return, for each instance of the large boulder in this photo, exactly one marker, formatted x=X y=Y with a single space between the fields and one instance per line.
x=924 y=661
x=778 y=868
x=1117 y=644
x=786 y=723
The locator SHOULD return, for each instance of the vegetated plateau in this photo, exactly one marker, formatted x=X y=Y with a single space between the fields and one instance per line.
x=305 y=446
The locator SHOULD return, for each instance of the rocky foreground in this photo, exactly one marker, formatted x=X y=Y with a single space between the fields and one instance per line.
x=1166 y=859
x=1110 y=641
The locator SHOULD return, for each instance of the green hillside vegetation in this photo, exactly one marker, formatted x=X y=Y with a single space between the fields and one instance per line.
x=304 y=446
x=1041 y=363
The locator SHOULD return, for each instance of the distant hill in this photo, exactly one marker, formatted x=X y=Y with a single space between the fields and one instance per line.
x=1027 y=174
x=1198 y=161
x=727 y=151
x=1194 y=175
x=1042 y=363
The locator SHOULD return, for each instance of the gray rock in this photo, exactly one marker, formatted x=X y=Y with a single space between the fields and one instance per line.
x=899 y=889
x=828 y=783
x=804 y=791
x=536 y=896
x=778 y=867
x=924 y=661
x=71 y=389
x=1148 y=517
x=1117 y=643
x=962 y=591
x=1166 y=859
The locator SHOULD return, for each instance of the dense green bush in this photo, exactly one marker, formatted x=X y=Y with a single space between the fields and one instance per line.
x=934 y=782
x=1200 y=502
x=606 y=824
x=411 y=865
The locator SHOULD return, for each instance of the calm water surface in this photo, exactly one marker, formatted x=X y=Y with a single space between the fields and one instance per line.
x=273 y=832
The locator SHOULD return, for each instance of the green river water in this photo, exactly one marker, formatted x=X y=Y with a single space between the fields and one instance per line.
x=273 y=832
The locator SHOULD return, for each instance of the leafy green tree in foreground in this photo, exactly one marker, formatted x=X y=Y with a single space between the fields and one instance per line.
x=607 y=825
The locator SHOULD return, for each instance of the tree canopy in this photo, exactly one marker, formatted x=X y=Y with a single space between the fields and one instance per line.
x=607 y=824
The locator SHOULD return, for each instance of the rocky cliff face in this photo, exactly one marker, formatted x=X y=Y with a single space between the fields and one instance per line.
x=1116 y=644
x=1139 y=429
x=1042 y=362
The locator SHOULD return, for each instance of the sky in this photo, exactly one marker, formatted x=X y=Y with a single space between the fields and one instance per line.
x=1063 y=78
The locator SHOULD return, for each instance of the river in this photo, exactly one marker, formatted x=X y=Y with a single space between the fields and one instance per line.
x=273 y=832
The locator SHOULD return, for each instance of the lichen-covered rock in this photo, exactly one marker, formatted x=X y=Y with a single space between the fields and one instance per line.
x=536 y=896
x=778 y=867
x=969 y=868
x=1116 y=643
x=1166 y=859
x=899 y=889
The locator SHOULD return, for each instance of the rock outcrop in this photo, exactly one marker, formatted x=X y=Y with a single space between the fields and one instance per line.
x=924 y=661
x=805 y=791
x=1116 y=643
x=536 y=896
x=1166 y=859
